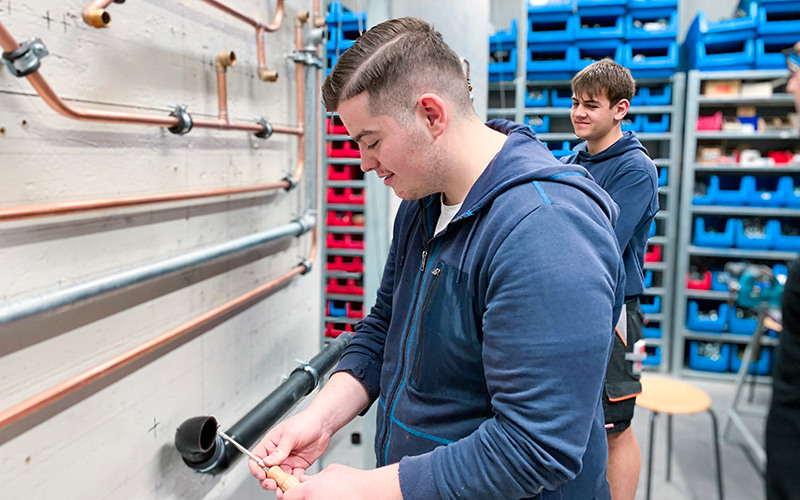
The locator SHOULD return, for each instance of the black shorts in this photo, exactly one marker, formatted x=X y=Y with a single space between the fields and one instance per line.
x=622 y=384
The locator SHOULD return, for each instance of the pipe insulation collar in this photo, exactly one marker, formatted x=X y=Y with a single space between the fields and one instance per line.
x=184 y=124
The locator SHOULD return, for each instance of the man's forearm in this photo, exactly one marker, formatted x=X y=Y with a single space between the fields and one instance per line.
x=340 y=400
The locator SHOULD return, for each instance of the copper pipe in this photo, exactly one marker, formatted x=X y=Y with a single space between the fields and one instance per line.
x=95 y=14
x=70 y=207
x=62 y=390
x=224 y=60
x=276 y=21
x=46 y=92
x=465 y=63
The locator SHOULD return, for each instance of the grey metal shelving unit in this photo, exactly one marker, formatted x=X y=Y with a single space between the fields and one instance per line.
x=689 y=253
x=664 y=148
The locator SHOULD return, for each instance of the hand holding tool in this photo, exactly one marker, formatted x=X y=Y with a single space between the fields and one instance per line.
x=284 y=480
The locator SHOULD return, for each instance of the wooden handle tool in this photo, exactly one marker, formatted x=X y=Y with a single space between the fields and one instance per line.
x=283 y=478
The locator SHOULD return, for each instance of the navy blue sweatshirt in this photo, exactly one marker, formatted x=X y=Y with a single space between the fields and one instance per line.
x=487 y=345
x=628 y=174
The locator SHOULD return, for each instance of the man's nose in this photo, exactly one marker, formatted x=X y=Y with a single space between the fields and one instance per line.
x=368 y=163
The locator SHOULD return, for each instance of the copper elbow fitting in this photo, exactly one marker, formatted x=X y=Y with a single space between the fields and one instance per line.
x=302 y=17
x=319 y=22
x=225 y=59
x=266 y=75
x=98 y=18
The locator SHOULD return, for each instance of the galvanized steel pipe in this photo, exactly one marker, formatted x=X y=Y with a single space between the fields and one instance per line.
x=56 y=299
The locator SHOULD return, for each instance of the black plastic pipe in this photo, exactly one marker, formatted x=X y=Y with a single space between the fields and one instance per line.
x=204 y=451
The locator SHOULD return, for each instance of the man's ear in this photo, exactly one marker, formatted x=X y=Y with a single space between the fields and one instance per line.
x=621 y=109
x=432 y=111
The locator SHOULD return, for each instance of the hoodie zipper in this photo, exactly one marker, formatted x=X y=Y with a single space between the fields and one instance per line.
x=423 y=312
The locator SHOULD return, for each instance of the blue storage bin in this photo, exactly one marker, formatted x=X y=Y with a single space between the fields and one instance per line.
x=342 y=17
x=541 y=128
x=337 y=308
x=718 y=285
x=601 y=7
x=650 y=61
x=608 y=35
x=659 y=96
x=793 y=199
x=640 y=97
x=699 y=358
x=551 y=24
x=551 y=64
x=505 y=70
x=532 y=101
x=775 y=26
x=635 y=6
x=652 y=37
x=653 y=308
x=585 y=56
x=565 y=150
x=771 y=192
x=722 y=57
x=655 y=123
x=504 y=40
x=632 y=123
x=653 y=356
x=650 y=332
x=769 y=56
x=761 y=367
x=726 y=239
x=561 y=98
x=338 y=44
x=741 y=326
x=786 y=243
x=779 y=5
x=701 y=322
x=723 y=31
x=725 y=191
x=648 y=278
x=663 y=177
x=653 y=229
x=765 y=241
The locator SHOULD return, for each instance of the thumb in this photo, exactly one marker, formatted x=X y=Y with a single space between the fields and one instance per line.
x=280 y=453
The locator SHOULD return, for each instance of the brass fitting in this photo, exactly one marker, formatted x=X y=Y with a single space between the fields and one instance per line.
x=266 y=75
x=319 y=22
x=303 y=16
x=225 y=59
x=97 y=18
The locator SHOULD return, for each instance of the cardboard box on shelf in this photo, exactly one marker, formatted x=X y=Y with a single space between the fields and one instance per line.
x=757 y=89
x=722 y=87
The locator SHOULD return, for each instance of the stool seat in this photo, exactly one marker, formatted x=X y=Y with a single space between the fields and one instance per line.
x=663 y=395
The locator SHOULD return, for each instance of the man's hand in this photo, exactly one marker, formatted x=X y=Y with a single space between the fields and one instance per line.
x=294 y=444
x=339 y=482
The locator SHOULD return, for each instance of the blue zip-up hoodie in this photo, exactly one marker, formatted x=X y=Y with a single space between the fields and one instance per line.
x=487 y=345
x=628 y=174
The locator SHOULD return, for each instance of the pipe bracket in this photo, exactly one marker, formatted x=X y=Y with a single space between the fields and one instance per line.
x=27 y=58
x=306 y=57
x=305 y=367
x=291 y=181
x=184 y=124
x=307 y=265
x=267 y=132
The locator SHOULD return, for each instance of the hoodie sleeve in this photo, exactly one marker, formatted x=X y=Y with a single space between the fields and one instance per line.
x=635 y=191
x=553 y=285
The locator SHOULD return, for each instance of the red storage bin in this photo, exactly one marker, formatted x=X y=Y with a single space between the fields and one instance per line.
x=347 y=286
x=344 y=263
x=354 y=309
x=335 y=240
x=333 y=330
x=342 y=149
x=781 y=157
x=344 y=172
x=336 y=126
x=710 y=122
x=344 y=218
x=356 y=196
x=654 y=254
x=703 y=283
x=345 y=240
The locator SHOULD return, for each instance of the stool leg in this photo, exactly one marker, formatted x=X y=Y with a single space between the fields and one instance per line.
x=716 y=452
x=669 y=445
x=653 y=417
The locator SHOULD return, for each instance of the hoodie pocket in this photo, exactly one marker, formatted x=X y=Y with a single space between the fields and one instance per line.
x=447 y=357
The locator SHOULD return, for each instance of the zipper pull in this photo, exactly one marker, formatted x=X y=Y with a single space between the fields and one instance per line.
x=436 y=271
x=424 y=257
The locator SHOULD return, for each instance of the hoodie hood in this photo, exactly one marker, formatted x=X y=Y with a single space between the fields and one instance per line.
x=627 y=142
x=523 y=159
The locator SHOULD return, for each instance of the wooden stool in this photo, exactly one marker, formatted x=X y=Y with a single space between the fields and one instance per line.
x=662 y=395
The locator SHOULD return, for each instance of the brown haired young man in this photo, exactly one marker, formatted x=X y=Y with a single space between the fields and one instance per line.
x=487 y=380
x=601 y=96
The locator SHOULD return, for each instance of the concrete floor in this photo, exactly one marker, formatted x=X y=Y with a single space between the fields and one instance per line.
x=693 y=473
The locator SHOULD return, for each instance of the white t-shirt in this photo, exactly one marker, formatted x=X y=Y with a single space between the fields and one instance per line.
x=448 y=212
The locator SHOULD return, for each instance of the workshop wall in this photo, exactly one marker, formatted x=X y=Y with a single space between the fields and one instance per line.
x=118 y=441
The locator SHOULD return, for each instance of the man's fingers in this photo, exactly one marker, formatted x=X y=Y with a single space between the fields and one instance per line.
x=257 y=471
x=269 y=484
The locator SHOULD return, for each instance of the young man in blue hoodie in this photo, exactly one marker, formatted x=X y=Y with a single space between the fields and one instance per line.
x=487 y=346
x=601 y=97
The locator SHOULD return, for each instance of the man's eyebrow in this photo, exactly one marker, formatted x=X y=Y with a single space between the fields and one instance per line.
x=361 y=134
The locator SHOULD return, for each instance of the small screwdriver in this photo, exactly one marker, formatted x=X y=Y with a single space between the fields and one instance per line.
x=284 y=480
